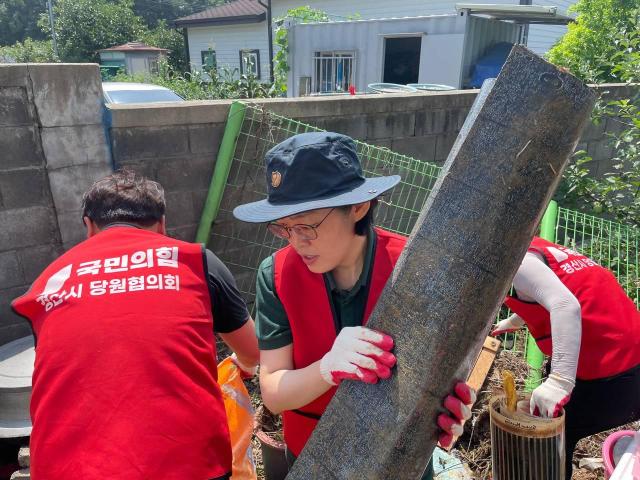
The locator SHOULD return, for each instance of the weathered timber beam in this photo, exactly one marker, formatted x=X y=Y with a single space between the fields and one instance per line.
x=452 y=277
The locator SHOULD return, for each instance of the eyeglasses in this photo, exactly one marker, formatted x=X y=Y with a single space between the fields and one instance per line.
x=303 y=231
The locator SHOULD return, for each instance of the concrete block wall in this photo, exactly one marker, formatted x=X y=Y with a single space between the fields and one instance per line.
x=177 y=144
x=52 y=147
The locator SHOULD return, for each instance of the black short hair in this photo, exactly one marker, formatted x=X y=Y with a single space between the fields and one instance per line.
x=124 y=196
x=365 y=223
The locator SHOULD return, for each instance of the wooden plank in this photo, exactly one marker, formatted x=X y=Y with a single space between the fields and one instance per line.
x=483 y=363
x=481 y=369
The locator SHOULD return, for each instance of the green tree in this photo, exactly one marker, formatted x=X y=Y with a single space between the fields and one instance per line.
x=19 y=20
x=615 y=194
x=164 y=37
x=281 y=41
x=591 y=41
x=85 y=26
x=29 y=51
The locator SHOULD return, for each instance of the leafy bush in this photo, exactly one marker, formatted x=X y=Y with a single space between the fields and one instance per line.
x=591 y=41
x=29 y=51
x=211 y=84
x=281 y=41
x=615 y=194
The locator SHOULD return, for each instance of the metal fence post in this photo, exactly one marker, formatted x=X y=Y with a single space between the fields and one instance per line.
x=221 y=171
x=535 y=358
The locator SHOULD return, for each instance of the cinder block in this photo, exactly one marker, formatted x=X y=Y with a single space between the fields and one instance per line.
x=24 y=457
x=26 y=227
x=615 y=125
x=146 y=167
x=80 y=145
x=11 y=274
x=185 y=232
x=593 y=131
x=13 y=331
x=14 y=106
x=24 y=188
x=353 y=126
x=185 y=174
x=20 y=148
x=205 y=138
x=443 y=146
x=423 y=148
x=600 y=150
x=68 y=184
x=67 y=94
x=199 y=198
x=180 y=209
x=72 y=230
x=391 y=125
x=13 y=75
x=429 y=122
x=35 y=259
x=138 y=143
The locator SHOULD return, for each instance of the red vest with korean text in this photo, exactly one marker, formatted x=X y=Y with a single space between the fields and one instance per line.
x=307 y=304
x=124 y=385
x=610 y=320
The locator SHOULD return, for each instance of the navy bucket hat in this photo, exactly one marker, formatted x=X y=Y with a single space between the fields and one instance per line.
x=310 y=171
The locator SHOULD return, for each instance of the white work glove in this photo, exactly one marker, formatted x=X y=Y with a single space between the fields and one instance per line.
x=358 y=353
x=508 y=325
x=548 y=399
x=245 y=372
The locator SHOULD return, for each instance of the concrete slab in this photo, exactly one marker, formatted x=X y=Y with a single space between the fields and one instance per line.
x=16 y=368
x=69 y=94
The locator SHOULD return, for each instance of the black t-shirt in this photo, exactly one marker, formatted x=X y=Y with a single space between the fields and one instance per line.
x=228 y=307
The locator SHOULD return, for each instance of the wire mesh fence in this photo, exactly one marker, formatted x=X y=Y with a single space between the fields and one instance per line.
x=243 y=246
x=611 y=244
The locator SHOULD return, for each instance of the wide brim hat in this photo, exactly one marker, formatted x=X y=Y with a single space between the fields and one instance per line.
x=16 y=369
x=311 y=171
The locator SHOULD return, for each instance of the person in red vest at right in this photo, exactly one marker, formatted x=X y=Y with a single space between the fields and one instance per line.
x=125 y=379
x=579 y=315
x=314 y=296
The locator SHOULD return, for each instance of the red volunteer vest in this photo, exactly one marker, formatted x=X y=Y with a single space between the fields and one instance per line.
x=306 y=302
x=610 y=320
x=124 y=385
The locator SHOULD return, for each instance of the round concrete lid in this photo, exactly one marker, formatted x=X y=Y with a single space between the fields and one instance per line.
x=16 y=364
x=16 y=369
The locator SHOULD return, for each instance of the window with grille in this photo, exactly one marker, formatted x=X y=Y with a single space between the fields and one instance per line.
x=333 y=71
x=250 y=62
x=208 y=59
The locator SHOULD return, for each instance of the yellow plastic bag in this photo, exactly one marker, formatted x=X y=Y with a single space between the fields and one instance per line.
x=240 y=412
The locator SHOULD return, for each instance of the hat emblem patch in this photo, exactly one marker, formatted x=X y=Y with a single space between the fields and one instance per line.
x=276 y=179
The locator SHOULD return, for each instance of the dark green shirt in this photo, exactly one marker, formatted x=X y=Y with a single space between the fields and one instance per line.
x=348 y=306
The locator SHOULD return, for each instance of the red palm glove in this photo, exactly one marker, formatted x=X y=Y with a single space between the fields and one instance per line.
x=358 y=353
x=548 y=399
x=458 y=407
x=508 y=325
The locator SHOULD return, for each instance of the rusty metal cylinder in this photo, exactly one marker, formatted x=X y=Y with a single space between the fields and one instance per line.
x=525 y=447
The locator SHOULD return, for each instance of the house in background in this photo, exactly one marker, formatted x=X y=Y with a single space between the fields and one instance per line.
x=433 y=49
x=233 y=35
x=132 y=57
x=236 y=34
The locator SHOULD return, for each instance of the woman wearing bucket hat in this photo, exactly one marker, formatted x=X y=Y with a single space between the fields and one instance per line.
x=320 y=202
